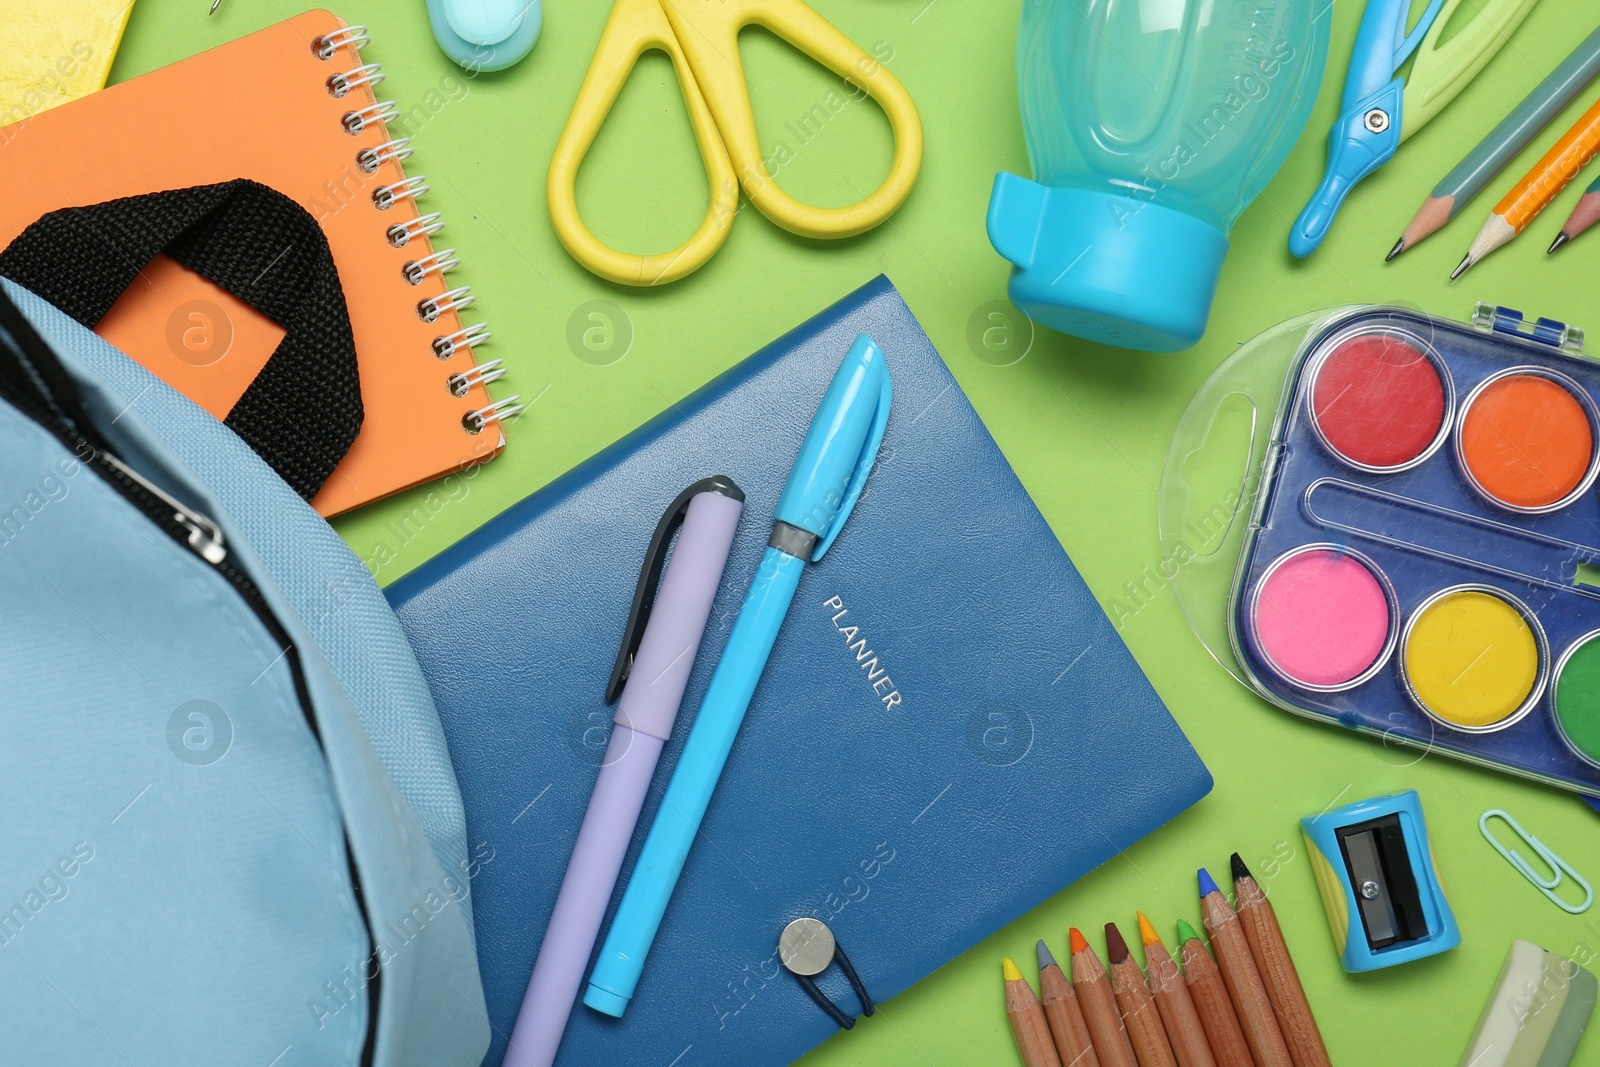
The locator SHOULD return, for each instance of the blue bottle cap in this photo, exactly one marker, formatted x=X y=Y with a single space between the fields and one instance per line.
x=1106 y=267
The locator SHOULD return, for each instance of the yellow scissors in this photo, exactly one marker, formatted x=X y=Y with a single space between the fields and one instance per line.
x=702 y=39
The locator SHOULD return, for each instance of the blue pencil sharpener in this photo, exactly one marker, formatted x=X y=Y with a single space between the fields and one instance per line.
x=1378 y=882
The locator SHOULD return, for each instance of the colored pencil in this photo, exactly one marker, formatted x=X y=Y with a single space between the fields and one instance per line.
x=1099 y=1005
x=1238 y=969
x=1585 y=215
x=1178 y=1014
x=1210 y=995
x=1027 y=1020
x=1062 y=1012
x=1139 y=1013
x=1271 y=953
x=1534 y=193
x=1516 y=131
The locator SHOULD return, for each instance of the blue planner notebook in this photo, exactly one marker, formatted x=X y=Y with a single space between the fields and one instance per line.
x=914 y=825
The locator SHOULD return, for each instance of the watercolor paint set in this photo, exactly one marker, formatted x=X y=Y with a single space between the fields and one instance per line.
x=1421 y=521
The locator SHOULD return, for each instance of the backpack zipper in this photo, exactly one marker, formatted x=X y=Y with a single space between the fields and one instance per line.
x=33 y=394
x=204 y=538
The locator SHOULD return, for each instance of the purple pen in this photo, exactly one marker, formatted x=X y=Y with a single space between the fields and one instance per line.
x=667 y=634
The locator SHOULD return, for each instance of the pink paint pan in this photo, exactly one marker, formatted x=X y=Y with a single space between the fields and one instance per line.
x=1323 y=618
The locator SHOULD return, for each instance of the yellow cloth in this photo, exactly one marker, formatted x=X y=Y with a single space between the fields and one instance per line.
x=52 y=51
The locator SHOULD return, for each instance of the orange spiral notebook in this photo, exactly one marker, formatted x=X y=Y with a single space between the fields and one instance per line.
x=292 y=107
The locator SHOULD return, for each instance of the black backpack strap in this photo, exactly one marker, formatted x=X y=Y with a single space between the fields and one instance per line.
x=303 y=411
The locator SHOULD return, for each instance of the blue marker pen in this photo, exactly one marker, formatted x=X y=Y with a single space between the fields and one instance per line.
x=823 y=487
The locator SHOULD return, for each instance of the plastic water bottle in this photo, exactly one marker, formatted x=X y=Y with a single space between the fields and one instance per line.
x=1151 y=124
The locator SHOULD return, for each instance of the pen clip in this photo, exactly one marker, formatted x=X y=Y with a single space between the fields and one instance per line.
x=655 y=558
x=858 y=478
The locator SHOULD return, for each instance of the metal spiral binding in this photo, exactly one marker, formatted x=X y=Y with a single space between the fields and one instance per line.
x=384 y=112
x=484 y=373
x=415 y=272
x=396 y=151
x=388 y=196
x=366 y=74
x=328 y=45
x=446 y=347
x=403 y=233
x=499 y=411
x=456 y=299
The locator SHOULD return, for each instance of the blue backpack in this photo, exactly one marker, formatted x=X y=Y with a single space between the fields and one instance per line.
x=231 y=833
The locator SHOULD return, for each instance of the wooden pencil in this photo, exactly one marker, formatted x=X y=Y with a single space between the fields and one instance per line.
x=1178 y=1014
x=1239 y=974
x=1210 y=996
x=1099 y=1005
x=1535 y=192
x=1062 y=1012
x=1273 y=962
x=1140 y=1017
x=1027 y=1020
x=1584 y=216
x=1502 y=144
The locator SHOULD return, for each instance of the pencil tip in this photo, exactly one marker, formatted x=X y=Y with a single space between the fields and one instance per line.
x=1147 y=933
x=1009 y=969
x=1466 y=262
x=1561 y=239
x=1186 y=933
x=1046 y=959
x=1116 y=947
x=1239 y=869
x=1399 y=246
x=1075 y=939
x=1207 y=886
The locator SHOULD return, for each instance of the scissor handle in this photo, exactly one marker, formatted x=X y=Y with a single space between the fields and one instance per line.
x=636 y=27
x=710 y=32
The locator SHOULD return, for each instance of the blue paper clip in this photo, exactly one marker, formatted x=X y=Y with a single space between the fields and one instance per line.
x=1547 y=886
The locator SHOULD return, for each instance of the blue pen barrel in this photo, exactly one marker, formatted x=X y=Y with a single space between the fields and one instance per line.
x=822 y=488
x=616 y=972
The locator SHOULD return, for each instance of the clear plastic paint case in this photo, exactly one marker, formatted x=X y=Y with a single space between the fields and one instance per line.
x=1386 y=520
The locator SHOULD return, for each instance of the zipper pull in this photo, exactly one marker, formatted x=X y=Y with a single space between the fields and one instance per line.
x=204 y=536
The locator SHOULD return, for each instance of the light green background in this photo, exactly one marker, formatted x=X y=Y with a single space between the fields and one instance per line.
x=1085 y=427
